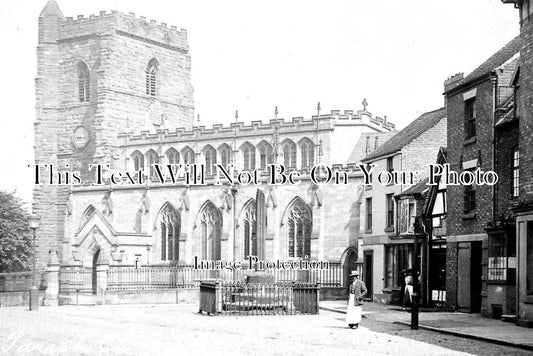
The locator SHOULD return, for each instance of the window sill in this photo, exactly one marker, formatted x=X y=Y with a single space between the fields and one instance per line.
x=389 y=229
x=502 y=283
x=469 y=141
x=468 y=216
x=389 y=290
x=368 y=187
x=368 y=231
x=528 y=299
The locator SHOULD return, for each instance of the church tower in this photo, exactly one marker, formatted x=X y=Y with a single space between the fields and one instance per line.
x=97 y=77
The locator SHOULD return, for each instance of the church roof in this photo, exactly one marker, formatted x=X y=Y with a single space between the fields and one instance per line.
x=373 y=142
x=51 y=8
x=416 y=128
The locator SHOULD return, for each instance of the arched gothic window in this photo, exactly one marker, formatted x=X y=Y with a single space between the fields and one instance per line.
x=225 y=155
x=210 y=160
x=308 y=153
x=89 y=212
x=289 y=154
x=249 y=230
x=188 y=155
x=210 y=232
x=248 y=154
x=173 y=157
x=84 y=82
x=151 y=159
x=299 y=226
x=138 y=160
x=169 y=232
x=151 y=77
x=266 y=156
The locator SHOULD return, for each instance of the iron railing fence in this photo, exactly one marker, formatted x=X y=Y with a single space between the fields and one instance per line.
x=77 y=280
x=239 y=298
x=74 y=279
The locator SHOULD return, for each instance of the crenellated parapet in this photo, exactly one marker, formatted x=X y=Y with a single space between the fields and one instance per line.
x=125 y=24
x=297 y=125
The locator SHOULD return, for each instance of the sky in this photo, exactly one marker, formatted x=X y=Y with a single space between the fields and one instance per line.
x=254 y=55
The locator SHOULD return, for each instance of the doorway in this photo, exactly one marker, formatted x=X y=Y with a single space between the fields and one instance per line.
x=94 y=274
x=368 y=261
x=469 y=277
x=350 y=264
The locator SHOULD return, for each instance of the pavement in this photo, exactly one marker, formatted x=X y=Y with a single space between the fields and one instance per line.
x=472 y=326
x=180 y=329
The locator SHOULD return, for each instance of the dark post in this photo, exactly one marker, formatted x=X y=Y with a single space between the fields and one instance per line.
x=416 y=284
x=34 y=291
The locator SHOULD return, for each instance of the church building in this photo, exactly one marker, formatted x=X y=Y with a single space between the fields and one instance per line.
x=115 y=89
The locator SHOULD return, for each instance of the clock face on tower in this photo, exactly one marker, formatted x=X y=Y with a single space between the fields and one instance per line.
x=80 y=138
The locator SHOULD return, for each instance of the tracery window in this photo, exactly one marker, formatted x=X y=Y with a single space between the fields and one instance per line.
x=225 y=155
x=151 y=77
x=84 y=82
x=173 y=157
x=138 y=160
x=169 y=231
x=152 y=159
x=248 y=154
x=265 y=154
x=188 y=155
x=249 y=230
x=89 y=212
x=308 y=153
x=210 y=160
x=299 y=226
x=210 y=232
x=289 y=154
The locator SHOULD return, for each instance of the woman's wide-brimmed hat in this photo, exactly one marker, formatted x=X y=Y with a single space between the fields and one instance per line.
x=354 y=273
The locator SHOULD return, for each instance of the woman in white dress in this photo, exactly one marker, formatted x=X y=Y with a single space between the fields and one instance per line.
x=356 y=291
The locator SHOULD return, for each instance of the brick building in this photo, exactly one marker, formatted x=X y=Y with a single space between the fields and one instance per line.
x=524 y=209
x=387 y=225
x=115 y=89
x=480 y=266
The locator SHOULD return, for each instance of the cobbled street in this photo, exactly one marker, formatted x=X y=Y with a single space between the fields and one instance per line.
x=180 y=330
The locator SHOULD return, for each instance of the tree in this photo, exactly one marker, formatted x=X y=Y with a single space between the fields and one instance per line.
x=15 y=234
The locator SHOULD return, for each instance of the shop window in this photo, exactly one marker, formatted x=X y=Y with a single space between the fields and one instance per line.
x=502 y=248
x=397 y=259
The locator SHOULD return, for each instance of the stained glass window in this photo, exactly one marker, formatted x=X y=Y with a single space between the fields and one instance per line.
x=299 y=225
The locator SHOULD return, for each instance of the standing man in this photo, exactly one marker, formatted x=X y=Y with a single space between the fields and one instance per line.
x=356 y=291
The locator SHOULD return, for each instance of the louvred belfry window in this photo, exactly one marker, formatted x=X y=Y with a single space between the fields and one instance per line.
x=84 y=83
x=151 y=77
